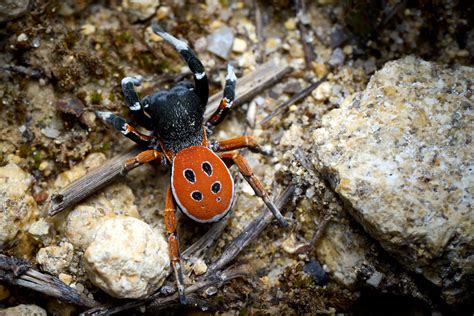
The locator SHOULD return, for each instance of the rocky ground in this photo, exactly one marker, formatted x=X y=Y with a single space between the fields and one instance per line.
x=380 y=152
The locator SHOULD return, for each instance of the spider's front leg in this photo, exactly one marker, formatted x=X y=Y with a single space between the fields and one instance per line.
x=200 y=78
x=234 y=157
x=120 y=124
x=173 y=245
x=226 y=102
x=133 y=102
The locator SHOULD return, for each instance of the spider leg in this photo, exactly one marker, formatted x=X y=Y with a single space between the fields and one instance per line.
x=126 y=129
x=234 y=157
x=142 y=158
x=200 y=78
x=173 y=246
x=133 y=102
x=238 y=143
x=227 y=100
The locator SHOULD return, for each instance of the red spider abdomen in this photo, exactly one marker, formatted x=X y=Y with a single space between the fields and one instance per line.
x=202 y=185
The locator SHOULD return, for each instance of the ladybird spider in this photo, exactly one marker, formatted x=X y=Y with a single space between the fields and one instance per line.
x=201 y=184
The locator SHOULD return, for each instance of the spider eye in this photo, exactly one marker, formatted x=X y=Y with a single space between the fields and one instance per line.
x=196 y=195
x=206 y=167
x=216 y=187
x=189 y=175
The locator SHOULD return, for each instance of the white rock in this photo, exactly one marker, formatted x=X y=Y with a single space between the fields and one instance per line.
x=400 y=153
x=127 y=259
x=84 y=219
x=239 y=46
x=16 y=205
x=55 y=259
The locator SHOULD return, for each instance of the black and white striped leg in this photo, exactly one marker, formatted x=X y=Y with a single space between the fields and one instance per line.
x=126 y=129
x=226 y=102
x=200 y=78
x=133 y=102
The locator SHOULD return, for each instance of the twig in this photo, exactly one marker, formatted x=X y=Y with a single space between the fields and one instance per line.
x=157 y=302
x=259 y=31
x=199 y=249
x=90 y=183
x=297 y=97
x=307 y=49
x=249 y=233
x=247 y=87
x=17 y=271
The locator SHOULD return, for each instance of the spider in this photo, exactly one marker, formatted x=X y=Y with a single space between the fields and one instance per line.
x=201 y=184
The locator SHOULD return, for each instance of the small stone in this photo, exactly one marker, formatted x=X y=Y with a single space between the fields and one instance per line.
x=127 y=259
x=272 y=45
x=24 y=310
x=321 y=70
x=314 y=269
x=323 y=91
x=22 y=37
x=347 y=50
x=17 y=206
x=200 y=267
x=220 y=42
x=88 y=29
x=39 y=229
x=375 y=279
x=66 y=278
x=290 y=24
x=337 y=57
x=141 y=9
x=239 y=46
x=55 y=259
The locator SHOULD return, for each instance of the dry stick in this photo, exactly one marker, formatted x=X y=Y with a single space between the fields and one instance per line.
x=297 y=97
x=247 y=87
x=17 y=272
x=308 y=248
x=249 y=233
x=216 y=279
x=307 y=49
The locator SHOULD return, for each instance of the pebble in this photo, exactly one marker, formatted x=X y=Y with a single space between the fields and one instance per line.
x=199 y=267
x=55 y=259
x=141 y=9
x=39 y=230
x=127 y=259
x=17 y=206
x=323 y=91
x=239 y=46
x=290 y=24
x=220 y=42
x=272 y=45
x=337 y=57
x=66 y=278
x=316 y=271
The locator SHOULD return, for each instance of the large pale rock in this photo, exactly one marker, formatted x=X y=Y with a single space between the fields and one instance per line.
x=127 y=259
x=401 y=154
x=17 y=206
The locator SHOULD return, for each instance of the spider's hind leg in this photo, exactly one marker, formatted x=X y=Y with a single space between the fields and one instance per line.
x=200 y=78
